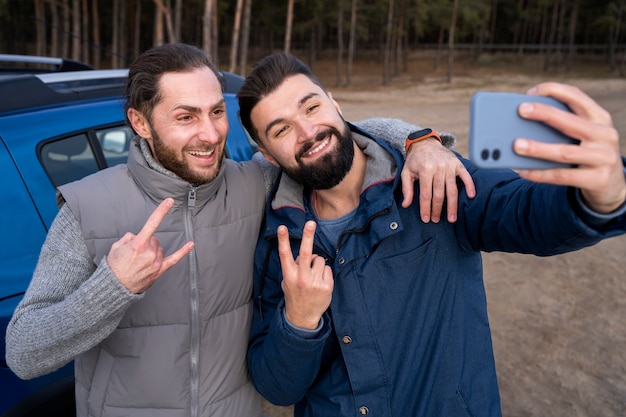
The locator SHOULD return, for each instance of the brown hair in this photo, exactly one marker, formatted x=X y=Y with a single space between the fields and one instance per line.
x=142 y=88
x=268 y=74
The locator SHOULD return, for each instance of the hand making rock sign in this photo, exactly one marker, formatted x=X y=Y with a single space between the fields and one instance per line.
x=137 y=260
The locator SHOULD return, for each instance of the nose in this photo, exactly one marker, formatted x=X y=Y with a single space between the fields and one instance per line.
x=208 y=131
x=306 y=130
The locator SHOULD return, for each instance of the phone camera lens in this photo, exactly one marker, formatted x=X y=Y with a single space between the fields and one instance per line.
x=484 y=155
x=495 y=154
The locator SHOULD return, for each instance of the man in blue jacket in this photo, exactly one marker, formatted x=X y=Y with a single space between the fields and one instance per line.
x=379 y=313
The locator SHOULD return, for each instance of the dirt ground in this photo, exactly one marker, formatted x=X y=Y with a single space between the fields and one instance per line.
x=559 y=323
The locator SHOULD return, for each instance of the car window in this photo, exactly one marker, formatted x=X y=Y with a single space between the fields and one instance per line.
x=68 y=159
x=72 y=158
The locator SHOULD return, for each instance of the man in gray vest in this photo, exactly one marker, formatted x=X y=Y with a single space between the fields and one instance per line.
x=158 y=321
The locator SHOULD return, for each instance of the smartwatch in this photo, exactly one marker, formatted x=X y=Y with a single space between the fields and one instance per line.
x=420 y=135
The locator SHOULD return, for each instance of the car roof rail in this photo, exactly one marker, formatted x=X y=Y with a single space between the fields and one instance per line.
x=22 y=64
x=34 y=90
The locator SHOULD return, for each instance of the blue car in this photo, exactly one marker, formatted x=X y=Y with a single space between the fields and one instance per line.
x=57 y=128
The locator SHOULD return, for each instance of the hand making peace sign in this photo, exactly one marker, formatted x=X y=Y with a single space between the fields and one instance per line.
x=307 y=281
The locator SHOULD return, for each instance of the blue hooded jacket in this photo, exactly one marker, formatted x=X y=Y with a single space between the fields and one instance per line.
x=407 y=332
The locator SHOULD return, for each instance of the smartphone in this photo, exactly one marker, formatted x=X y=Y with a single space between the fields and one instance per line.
x=495 y=124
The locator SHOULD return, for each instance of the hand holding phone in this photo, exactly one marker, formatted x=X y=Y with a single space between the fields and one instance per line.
x=495 y=124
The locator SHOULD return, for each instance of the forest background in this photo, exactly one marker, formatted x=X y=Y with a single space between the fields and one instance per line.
x=111 y=34
x=558 y=323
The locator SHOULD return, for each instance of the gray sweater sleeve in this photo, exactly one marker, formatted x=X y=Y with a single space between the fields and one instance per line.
x=70 y=306
x=395 y=131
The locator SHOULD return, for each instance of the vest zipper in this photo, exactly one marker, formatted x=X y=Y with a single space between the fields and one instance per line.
x=194 y=348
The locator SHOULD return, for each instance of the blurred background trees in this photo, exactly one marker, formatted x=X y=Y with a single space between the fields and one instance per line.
x=110 y=34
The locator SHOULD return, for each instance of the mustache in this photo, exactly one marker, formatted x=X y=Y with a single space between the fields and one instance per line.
x=318 y=138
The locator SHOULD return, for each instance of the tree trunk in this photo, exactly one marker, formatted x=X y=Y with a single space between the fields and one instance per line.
x=245 y=38
x=234 y=44
x=54 y=42
x=95 y=33
x=123 y=38
x=351 y=41
x=166 y=12
x=616 y=35
x=85 y=31
x=442 y=32
x=387 y=50
x=207 y=22
x=339 y=42
x=65 y=27
x=622 y=65
x=455 y=10
x=550 y=43
x=136 y=30
x=571 y=50
x=115 y=36
x=178 y=17
x=159 y=37
x=40 y=21
x=494 y=19
x=215 y=44
x=76 y=35
x=289 y=25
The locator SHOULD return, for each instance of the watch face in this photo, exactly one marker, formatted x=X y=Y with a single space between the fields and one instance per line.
x=420 y=133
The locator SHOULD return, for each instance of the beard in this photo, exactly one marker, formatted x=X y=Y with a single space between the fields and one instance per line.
x=173 y=161
x=330 y=169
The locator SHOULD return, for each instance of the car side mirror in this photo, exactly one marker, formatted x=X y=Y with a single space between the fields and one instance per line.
x=114 y=142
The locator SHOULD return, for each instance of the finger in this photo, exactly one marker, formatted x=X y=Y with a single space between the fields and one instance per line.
x=579 y=102
x=287 y=262
x=407 y=187
x=426 y=196
x=439 y=193
x=468 y=181
x=155 y=219
x=452 y=198
x=306 y=245
x=567 y=154
x=174 y=258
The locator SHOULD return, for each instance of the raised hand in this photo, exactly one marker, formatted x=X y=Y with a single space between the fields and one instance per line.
x=307 y=281
x=599 y=173
x=137 y=260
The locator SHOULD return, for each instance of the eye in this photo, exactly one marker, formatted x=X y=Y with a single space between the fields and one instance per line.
x=312 y=108
x=184 y=118
x=280 y=131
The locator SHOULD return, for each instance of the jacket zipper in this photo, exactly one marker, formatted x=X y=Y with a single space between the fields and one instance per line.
x=194 y=348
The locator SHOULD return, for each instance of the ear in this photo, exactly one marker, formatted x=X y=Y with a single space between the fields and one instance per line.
x=330 y=95
x=139 y=123
x=269 y=158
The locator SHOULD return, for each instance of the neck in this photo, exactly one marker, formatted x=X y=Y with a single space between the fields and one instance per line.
x=344 y=197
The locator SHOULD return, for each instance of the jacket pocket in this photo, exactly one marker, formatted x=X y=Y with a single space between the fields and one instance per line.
x=100 y=384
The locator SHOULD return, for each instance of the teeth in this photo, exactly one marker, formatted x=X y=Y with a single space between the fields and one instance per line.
x=202 y=153
x=318 y=147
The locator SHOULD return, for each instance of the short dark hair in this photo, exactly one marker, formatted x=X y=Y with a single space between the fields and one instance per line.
x=267 y=75
x=142 y=88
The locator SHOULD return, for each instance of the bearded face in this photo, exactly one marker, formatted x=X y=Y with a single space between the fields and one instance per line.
x=176 y=161
x=329 y=170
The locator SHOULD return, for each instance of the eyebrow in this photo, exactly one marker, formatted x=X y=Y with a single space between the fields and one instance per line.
x=278 y=121
x=195 y=109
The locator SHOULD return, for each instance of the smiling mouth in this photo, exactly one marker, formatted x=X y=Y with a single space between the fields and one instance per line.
x=319 y=147
x=201 y=153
